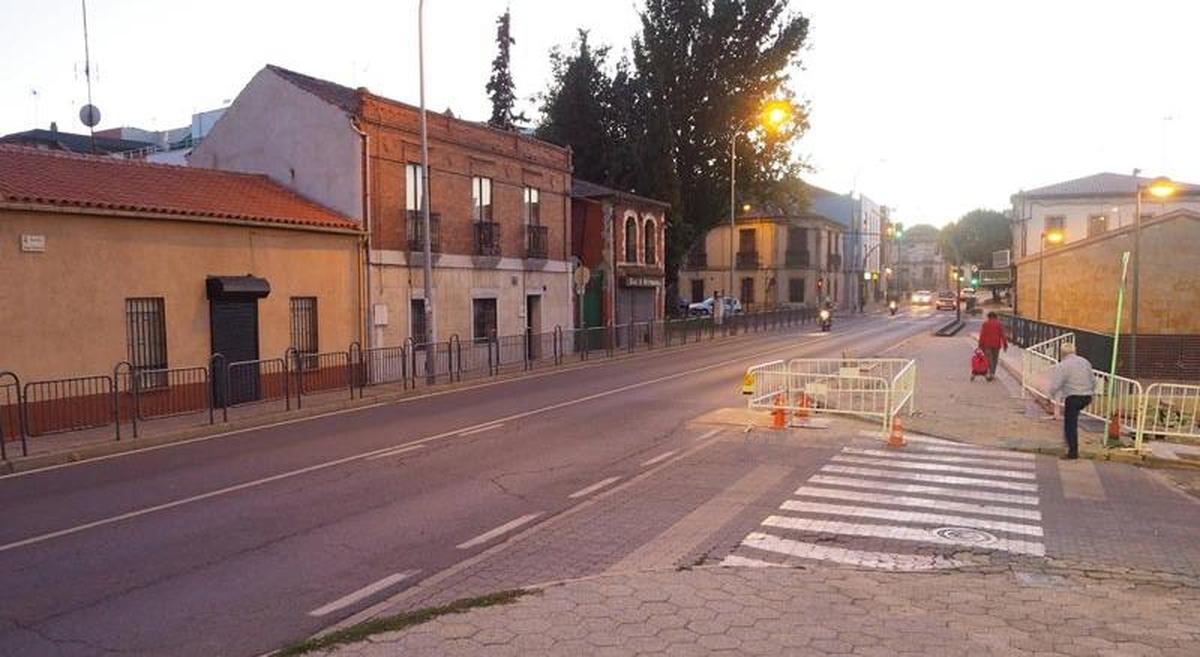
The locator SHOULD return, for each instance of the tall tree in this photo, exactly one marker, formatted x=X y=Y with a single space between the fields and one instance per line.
x=577 y=109
x=972 y=239
x=500 y=87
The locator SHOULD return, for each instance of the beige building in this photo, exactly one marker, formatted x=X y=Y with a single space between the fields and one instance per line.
x=104 y=260
x=499 y=203
x=780 y=259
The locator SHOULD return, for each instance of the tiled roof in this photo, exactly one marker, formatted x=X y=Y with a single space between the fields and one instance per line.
x=1100 y=184
x=335 y=94
x=70 y=141
x=585 y=189
x=30 y=175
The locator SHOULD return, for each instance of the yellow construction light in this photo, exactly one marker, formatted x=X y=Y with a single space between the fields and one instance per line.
x=1162 y=187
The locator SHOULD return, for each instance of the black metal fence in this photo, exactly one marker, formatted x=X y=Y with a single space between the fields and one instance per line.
x=132 y=395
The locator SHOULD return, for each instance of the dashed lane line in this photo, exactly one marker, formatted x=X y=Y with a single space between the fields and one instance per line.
x=490 y=427
x=661 y=457
x=499 y=531
x=365 y=592
x=594 y=487
x=394 y=452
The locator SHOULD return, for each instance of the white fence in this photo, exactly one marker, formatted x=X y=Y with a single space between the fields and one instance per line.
x=875 y=388
x=1169 y=410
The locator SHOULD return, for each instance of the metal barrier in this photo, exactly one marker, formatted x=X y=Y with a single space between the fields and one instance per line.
x=1169 y=410
x=1112 y=396
x=321 y=372
x=1039 y=359
x=10 y=413
x=255 y=381
x=61 y=405
x=875 y=388
x=383 y=365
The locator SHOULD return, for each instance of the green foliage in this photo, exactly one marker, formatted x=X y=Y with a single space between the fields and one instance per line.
x=578 y=109
x=501 y=88
x=973 y=238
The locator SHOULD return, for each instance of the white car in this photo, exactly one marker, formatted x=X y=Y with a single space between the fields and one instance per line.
x=922 y=297
x=705 y=308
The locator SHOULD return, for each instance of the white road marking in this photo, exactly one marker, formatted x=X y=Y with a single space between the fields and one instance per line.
x=900 y=533
x=734 y=560
x=366 y=591
x=938 y=458
x=481 y=429
x=930 y=478
x=990 y=453
x=594 y=487
x=394 y=452
x=938 y=519
x=499 y=531
x=900 y=462
x=871 y=484
x=919 y=502
x=661 y=457
x=707 y=434
x=804 y=550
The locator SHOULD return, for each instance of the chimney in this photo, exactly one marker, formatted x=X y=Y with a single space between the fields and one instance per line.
x=54 y=126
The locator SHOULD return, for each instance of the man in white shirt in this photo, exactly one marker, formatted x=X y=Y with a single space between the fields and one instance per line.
x=1072 y=377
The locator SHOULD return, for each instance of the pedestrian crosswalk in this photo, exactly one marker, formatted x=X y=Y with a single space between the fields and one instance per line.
x=915 y=508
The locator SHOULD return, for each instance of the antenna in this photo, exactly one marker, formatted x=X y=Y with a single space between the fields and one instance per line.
x=89 y=114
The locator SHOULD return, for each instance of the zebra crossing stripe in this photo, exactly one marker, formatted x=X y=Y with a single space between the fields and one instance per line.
x=930 y=478
x=911 y=516
x=871 y=484
x=939 y=458
x=805 y=550
x=990 y=453
x=920 y=502
x=934 y=536
x=899 y=462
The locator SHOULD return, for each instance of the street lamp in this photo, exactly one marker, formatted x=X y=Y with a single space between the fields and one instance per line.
x=1051 y=237
x=774 y=114
x=1160 y=188
x=427 y=246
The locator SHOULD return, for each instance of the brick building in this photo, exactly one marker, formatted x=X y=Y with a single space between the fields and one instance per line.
x=499 y=202
x=621 y=238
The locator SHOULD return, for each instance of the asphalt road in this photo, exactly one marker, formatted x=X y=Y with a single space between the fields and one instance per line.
x=239 y=544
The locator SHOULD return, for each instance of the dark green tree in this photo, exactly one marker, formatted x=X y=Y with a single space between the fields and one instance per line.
x=500 y=87
x=577 y=109
x=972 y=239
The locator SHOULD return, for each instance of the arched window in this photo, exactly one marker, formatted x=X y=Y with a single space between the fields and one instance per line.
x=631 y=239
x=650 y=244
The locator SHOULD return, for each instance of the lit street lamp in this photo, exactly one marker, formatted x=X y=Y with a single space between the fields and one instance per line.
x=1052 y=237
x=774 y=114
x=1160 y=188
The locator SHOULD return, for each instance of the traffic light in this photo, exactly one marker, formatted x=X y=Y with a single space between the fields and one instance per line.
x=974 y=276
x=820 y=284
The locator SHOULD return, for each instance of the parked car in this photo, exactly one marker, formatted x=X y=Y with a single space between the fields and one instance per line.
x=947 y=300
x=922 y=297
x=705 y=308
x=966 y=293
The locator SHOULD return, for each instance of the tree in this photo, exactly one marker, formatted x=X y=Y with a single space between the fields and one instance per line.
x=501 y=88
x=973 y=238
x=577 y=110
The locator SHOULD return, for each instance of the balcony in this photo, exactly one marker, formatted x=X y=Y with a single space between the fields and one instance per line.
x=747 y=260
x=416 y=232
x=796 y=259
x=537 y=240
x=487 y=238
x=835 y=262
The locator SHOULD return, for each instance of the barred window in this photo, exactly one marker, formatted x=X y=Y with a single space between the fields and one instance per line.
x=416 y=311
x=484 y=325
x=304 y=324
x=146 y=334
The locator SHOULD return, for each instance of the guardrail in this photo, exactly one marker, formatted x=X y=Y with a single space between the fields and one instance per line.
x=132 y=395
x=1113 y=397
x=874 y=388
x=1169 y=410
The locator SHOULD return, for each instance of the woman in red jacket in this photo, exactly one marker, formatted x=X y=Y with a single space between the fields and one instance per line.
x=991 y=341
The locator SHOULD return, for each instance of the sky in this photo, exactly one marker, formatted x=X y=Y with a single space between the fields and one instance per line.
x=932 y=107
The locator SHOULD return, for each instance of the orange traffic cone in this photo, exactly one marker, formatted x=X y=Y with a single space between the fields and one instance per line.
x=896 y=438
x=1114 y=430
x=779 y=414
x=802 y=410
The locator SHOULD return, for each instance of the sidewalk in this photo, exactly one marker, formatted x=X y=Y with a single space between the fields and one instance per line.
x=822 y=611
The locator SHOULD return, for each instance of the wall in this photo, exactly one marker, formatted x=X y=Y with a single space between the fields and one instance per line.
x=298 y=140
x=1076 y=212
x=1082 y=280
x=64 y=310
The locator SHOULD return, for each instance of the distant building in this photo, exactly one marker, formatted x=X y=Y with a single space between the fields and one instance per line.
x=782 y=258
x=621 y=238
x=919 y=264
x=172 y=146
x=70 y=142
x=864 y=222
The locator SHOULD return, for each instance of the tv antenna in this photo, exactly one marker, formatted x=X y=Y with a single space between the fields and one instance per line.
x=89 y=114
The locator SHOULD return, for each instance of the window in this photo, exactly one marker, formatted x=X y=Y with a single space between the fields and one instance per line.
x=1097 y=224
x=697 y=290
x=747 y=291
x=649 y=244
x=533 y=208
x=414 y=188
x=481 y=199
x=416 y=310
x=484 y=313
x=797 y=239
x=304 y=324
x=746 y=240
x=796 y=290
x=630 y=240
x=146 y=333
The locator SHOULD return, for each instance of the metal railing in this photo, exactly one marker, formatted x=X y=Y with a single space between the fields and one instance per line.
x=382 y=365
x=321 y=372
x=873 y=388
x=61 y=405
x=537 y=241
x=1169 y=410
x=487 y=238
x=10 y=414
x=254 y=381
x=416 y=231
x=1114 y=398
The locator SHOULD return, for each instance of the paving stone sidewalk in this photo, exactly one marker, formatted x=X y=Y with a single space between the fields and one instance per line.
x=822 y=611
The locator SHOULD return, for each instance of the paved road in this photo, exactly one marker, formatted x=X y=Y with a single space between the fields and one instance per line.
x=238 y=544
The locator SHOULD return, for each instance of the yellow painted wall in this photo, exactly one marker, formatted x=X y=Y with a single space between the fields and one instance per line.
x=62 y=312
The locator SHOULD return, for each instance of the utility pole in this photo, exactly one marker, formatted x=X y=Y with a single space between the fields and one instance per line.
x=430 y=330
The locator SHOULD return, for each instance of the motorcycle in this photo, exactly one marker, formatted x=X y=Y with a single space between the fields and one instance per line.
x=826 y=319
x=892 y=307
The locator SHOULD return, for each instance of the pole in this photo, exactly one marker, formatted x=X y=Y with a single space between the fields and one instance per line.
x=957 y=293
x=1041 y=270
x=430 y=330
x=1137 y=267
x=87 y=74
x=1112 y=369
x=732 y=209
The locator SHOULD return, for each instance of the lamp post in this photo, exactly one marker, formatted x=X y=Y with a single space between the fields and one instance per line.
x=775 y=114
x=430 y=332
x=1161 y=188
x=866 y=275
x=1052 y=237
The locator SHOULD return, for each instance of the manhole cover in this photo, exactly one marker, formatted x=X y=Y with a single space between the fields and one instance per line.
x=964 y=535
